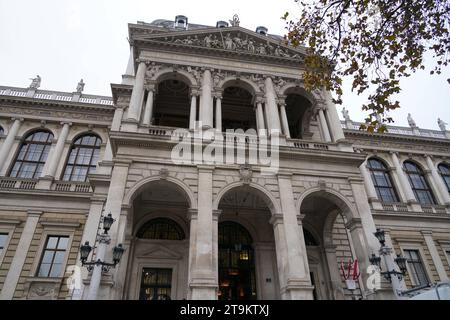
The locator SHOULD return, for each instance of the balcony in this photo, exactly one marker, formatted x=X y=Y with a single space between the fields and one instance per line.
x=33 y=184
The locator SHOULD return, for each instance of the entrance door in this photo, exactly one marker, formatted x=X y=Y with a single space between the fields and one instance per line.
x=156 y=284
x=236 y=263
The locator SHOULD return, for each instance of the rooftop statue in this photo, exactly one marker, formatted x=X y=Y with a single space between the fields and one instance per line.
x=80 y=86
x=411 y=121
x=345 y=114
x=235 y=22
x=442 y=125
x=35 y=82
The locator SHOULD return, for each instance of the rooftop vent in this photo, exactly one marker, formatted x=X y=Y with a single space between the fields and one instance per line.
x=181 y=22
x=262 y=30
x=222 y=24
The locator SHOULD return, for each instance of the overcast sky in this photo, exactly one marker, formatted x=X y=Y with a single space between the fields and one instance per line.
x=64 y=41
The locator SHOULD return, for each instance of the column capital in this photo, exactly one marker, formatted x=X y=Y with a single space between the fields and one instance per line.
x=218 y=95
x=66 y=122
x=18 y=118
x=276 y=219
x=426 y=232
x=354 y=223
x=216 y=214
x=34 y=213
x=192 y=214
x=150 y=87
x=205 y=168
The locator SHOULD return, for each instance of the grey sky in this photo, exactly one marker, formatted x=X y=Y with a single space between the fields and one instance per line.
x=64 y=41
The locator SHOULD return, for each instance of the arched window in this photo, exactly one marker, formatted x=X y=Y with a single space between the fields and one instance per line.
x=382 y=181
x=83 y=158
x=418 y=183
x=2 y=132
x=444 y=169
x=32 y=155
x=162 y=229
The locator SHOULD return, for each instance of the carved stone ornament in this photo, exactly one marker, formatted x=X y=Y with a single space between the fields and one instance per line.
x=233 y=41
x=164 y=173
x=246 y=174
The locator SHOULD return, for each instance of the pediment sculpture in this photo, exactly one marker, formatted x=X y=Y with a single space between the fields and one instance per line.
x=233 y=41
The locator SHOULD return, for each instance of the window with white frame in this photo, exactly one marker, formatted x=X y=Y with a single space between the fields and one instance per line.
x=3 y=240
x=417 y=271
x=52 y=260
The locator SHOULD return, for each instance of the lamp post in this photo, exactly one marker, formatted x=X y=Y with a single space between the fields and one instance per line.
x=99 y=266
x=392 y=275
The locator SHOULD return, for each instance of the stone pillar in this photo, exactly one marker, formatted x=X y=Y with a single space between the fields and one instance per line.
x=280 y=250
x=206 y=101
x=324 y=126
x=148 y=113
x=335 y=277
x=260 y=116
x=9 y=141
x=15 y=269
x=360 y=196
x=284 y=119
x=219 y=112
x=273 y=118
x=441 y=188
x=192 y=217
x=117 y=120
x=427 y=235
x=203 y=283
x=193 y=113
x=404 y=183
x=57 y=152
x=333 y=117
x=298 y=283
x=137 y=96
x=90 y=234
x=370 y=188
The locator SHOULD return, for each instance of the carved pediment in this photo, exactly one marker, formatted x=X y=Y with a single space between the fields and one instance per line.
x=234 y=39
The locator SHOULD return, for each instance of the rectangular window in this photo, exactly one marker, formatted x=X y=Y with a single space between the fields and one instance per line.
x=156 y=284
x=417 y=271
x=53 y=257
x=3 y=239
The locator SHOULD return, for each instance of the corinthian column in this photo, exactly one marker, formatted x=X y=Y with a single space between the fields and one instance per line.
x=404 y=183
x=193 y=113
x=137 y=96
x=219 y=112
x=206 y=101
x=9 y=141
x=148 y=113
x=260 y=116
x=57 y=152
x=284 y=119
x=273 y=118
x=334 y=122
x=324 y=126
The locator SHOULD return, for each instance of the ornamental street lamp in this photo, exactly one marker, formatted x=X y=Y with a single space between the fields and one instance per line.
x=392 y=275
x=98 y=266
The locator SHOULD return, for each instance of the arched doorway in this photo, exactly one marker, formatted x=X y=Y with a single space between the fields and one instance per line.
x=237 y=107
x=297 y=111
x=247 y=259
x=328 y=243
x=159 y=247
x=172 y=104
x=237 y=279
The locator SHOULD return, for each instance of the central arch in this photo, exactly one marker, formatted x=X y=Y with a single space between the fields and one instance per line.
x=247 y=260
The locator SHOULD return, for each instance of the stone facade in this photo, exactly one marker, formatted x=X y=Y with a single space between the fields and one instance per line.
x=320 y=207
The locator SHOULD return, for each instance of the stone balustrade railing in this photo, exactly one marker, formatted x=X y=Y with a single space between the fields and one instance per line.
x=55 y=95
x=31 y=184
x=407 y=131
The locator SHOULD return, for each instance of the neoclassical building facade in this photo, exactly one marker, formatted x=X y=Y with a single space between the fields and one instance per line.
x=221 y=229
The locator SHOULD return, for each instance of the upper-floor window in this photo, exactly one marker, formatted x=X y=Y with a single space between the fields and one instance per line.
x=3 y=239
x=52 y=260
x=2 y=131
x=382 y=181
x=161 y=228
x=419 y=183
x=417 y=271
x=83 y=158
x=444 y=169
x=32 y=155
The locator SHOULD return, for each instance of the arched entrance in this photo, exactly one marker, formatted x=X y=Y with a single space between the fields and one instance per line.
x=247 y=261
x=158 y=227
x=237 y=279
x=328 y=243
